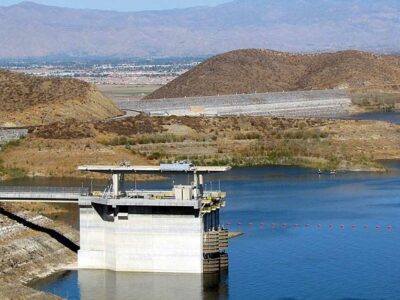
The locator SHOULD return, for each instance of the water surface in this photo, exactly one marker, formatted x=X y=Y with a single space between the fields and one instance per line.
x=334 y=237
x=392 y=117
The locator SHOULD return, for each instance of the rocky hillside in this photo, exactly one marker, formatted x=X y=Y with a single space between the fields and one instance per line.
x=32 y=246
x=29 y=100
x=256 y=70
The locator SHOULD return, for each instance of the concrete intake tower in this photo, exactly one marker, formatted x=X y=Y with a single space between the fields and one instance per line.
x=176 y=231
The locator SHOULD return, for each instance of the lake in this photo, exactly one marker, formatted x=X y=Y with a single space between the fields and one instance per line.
x=305 y=237
x=392 y=117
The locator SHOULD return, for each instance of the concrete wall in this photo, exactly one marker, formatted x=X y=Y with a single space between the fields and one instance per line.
x=141 y=242
x=105 y=285
x=324 y=103
x=8 y=135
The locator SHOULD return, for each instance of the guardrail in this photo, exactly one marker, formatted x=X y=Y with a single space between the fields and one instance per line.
x=44 y=189
x=41 y=194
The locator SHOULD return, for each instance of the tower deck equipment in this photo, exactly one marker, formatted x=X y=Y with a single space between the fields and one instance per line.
x=175 y=230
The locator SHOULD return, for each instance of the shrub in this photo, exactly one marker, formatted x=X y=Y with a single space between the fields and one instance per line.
x=305 y=134
x=247 y=136
x=10 y=144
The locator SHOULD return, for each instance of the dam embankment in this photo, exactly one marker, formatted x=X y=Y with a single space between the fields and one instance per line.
x=298 y=104
x=32 y=246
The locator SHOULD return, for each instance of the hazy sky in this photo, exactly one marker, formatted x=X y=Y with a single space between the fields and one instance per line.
x=121 y=5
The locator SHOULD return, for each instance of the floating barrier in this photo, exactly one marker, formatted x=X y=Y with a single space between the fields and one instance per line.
x=287 y=226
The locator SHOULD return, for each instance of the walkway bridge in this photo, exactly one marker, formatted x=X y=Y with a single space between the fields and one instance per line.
x=182 y=224
x=42 y=194
x=114 y=191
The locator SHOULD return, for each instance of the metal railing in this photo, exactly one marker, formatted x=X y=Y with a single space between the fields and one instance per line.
x=44 y=189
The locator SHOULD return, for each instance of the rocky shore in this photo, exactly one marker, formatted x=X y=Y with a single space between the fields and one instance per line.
x=31 y=247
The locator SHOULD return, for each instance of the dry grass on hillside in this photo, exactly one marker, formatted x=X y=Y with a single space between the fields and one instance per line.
x=247 y=71
x=28 y=100
x=19 y=91
x=58 y=149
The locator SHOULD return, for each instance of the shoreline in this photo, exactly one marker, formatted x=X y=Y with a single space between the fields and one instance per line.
x=31 y=249
x=348 y=145
x=160 y=178
x=101 y=178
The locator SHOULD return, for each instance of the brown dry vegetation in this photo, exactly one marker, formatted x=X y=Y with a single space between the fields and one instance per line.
x=247 y=71
x=20 y=91
x=29 y=100
x=57 y=149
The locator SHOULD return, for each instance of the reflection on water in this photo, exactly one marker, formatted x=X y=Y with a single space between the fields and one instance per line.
x=338 y=262
x=120 y=285
x=99 y=285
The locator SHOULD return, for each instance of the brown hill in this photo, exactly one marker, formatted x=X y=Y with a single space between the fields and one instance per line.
x=247 y=71
x=28 y=100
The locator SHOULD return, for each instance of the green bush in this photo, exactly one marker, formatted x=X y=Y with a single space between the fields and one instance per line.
x=145 y=139
x=11 y=172
x=10 y=144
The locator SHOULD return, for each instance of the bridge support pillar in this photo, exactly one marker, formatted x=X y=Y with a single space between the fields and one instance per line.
x=115 y=183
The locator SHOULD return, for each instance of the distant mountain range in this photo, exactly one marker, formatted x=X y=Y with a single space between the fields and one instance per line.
x=32 y=30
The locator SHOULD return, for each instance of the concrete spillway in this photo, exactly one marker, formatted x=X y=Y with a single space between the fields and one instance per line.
x=324 y=103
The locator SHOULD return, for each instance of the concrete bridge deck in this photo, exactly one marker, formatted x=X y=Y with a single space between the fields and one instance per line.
x=41 y=194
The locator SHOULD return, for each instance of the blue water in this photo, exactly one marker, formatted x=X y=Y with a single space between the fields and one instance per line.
x=282 y=262
x=392 y=117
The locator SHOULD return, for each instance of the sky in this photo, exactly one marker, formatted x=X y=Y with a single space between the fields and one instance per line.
x=122 y=5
